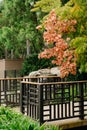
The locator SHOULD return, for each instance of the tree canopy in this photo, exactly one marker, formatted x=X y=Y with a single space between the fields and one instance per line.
x=18 y=27
x=72 y=11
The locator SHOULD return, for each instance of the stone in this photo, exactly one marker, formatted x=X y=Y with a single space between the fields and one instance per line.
x=55 y=71
x=46 y=72
x=34 y=74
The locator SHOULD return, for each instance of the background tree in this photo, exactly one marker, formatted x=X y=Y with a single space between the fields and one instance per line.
x=19 y=34
x=18 y=26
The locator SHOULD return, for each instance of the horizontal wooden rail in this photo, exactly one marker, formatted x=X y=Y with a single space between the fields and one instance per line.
x=49 y=83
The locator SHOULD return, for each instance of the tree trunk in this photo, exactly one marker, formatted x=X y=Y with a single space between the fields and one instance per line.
x=6 y=53
x=28 y=46
x=12 y=54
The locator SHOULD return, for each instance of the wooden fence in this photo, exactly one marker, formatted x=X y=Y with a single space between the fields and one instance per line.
x=52 y=101
x=10 y=88
x=45 y=98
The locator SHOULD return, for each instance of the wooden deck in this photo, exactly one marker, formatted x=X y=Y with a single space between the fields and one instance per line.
x=69 y=123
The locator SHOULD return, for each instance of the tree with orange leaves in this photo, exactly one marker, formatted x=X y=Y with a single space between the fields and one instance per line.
x=55 y=36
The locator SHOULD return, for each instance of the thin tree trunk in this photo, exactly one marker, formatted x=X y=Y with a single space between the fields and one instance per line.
x=12 y=55
x=28 y=46
x=6 y=53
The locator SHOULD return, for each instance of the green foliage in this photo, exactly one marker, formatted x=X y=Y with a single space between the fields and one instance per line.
x=46 y=5
x=7 y=32
x=18 y=24
x=10 y=120
x=78 y=77
x=80 y=45
x=77 y=10
x=33 y=63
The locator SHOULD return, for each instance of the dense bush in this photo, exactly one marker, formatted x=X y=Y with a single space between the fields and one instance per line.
x=33 y=63
x=10 y=120
x=77 y=77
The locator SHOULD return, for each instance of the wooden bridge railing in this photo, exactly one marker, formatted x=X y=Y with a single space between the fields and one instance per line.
x=10 y=89
x=45 y=98
x=50 y=101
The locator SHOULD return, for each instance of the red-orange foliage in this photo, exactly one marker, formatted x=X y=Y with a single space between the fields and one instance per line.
x=55 y=30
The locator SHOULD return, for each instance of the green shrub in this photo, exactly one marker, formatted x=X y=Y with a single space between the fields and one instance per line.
x=10 y=120
x=77 y=77
x=33 y=63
